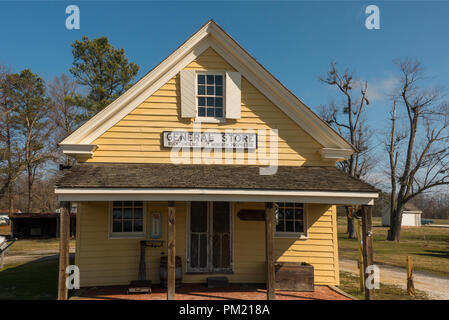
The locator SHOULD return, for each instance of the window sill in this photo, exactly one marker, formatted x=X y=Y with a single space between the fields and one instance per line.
x=127 y=236
x=291 y=235
x=209 y=120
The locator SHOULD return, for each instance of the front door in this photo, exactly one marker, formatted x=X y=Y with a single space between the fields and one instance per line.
x=210 y=237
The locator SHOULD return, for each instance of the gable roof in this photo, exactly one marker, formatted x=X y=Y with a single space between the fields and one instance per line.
x=410 y=207
x=209 y=35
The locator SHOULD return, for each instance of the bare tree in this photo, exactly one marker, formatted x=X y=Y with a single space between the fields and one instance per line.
x=347 y=118
x=32 y=125
x=65 y=115
x=418 y=152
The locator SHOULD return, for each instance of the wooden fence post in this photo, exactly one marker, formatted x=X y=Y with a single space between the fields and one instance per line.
x=360 y=259
x=367 y=238
x=64 y=250
x=410 y=284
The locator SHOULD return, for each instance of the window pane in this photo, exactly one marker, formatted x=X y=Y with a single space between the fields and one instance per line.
x=117 y=213
x=221 y=220
x=289 y=204
x=201 y=79
x=138 y=213
x=210 y=79
x=127 y=225
x=128 y=203
x=289 y=213
x=128 y=213
x=219 y=102
x=210 y=102
x=298 y=214
x=203 y=251
x=117 y=226
x=138 y=203
x=138 y=225
x=210 y=112
x=289 y=226
x=117 y=203
x=299 y=226
x=219 y=80
x=198 y=212
x=201 y=112
x=210 y=90
x=201 y=90
x=219 y=112
x=201 y=101
x=194 y=250
x=219 y=91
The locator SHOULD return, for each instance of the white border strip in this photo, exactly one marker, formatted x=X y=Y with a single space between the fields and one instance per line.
x=102 y=194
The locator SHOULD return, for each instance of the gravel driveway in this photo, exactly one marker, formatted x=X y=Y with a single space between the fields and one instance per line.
x=436 y=287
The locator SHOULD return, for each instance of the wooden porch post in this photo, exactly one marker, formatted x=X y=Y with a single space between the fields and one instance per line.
x=269 y=244
x=171 y=251
x=368 y=258
x=63 y=249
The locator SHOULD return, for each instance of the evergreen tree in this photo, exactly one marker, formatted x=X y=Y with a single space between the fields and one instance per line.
x=103 y=69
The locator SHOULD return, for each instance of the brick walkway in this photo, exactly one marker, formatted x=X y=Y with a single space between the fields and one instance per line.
x=201 y=292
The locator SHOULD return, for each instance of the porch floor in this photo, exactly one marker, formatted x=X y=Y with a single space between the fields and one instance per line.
x=201 y=292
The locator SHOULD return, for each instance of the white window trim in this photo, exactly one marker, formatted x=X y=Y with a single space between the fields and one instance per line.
x=127 y=235
x=296 y=235
x=210 y=119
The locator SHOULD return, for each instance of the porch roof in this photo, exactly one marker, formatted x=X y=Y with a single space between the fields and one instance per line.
x=220 y=182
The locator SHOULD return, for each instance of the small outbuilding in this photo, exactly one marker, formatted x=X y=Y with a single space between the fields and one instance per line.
x=411 y=216
x=38 y=225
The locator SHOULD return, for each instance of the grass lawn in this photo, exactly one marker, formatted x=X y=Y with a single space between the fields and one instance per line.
x=429 y=247
x=350 y=284
x=37 y=280
x=440 y=221
x=21 y=246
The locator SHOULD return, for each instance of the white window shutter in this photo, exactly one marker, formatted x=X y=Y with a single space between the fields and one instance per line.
x=233 y=95
x=188 y=104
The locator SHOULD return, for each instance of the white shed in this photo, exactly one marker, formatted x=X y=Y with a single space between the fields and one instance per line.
x=411 y=216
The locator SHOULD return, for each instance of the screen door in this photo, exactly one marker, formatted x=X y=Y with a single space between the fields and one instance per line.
x=210 y=245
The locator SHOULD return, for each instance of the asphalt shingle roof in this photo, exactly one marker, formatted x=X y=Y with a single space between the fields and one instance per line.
x=159 y=176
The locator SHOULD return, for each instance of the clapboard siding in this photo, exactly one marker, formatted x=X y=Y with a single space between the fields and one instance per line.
x=104 y=261
x=137 y=137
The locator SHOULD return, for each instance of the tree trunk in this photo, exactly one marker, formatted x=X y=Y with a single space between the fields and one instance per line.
x=30 y=185
x=395 y=224
x=352 y=232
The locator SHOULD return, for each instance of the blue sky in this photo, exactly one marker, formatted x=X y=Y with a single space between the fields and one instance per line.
x=295 y=40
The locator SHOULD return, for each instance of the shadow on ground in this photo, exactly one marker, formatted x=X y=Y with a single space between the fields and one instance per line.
x=34 y=280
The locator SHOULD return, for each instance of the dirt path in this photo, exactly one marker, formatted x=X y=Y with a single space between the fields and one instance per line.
x=26 y=256
x=436 y=287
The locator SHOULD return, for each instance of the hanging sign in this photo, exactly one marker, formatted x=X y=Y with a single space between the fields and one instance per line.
x=155 y=225
x=224 y=140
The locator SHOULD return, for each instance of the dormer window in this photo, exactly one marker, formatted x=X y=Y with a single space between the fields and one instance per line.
x=210 y=95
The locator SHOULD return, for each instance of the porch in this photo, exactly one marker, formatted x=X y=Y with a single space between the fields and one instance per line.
x=201 y=292
x=225 y=223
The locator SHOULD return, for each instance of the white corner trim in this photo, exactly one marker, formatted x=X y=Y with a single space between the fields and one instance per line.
x=150 y=194
x=210 y=35
x=336 y=154
x=78 y=149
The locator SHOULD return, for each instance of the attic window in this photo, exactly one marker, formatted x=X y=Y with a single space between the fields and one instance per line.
x=210 y=88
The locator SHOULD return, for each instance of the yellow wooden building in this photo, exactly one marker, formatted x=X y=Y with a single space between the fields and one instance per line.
x=211 y=147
